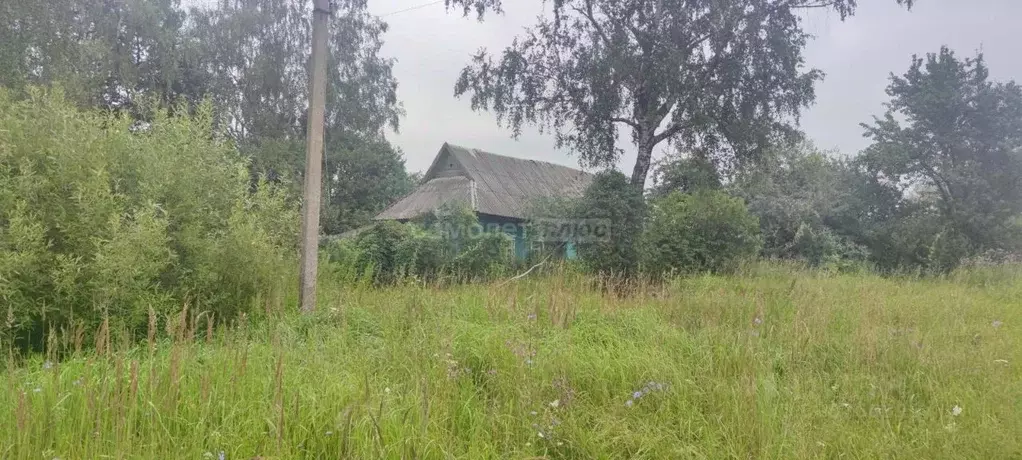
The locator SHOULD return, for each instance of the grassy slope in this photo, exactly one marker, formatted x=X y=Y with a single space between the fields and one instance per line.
x=771 y=365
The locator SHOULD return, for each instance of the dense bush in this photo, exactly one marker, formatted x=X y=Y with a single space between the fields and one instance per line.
x=103 y=217
x=447 y=245
x=705 y=231
x=610 y=196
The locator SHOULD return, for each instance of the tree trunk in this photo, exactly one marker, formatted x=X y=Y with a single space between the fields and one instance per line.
x=642 y=162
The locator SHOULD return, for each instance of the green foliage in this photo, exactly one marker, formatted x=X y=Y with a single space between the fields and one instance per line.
x=102 y=218
x=378 y=249
x=261 y=94
x=724 y=78
x=798 y=193
x=958 y=152
x=611 y=197
x=821 y=247
x=249 y=57
x=109 y=54
x=449 y=244
x=705 y=231
x=364 y=178
x=685 y=174
x=261 y=91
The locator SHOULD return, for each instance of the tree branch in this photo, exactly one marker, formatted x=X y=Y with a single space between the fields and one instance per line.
x=588 y=14
x=668 y=133
x=626 y=121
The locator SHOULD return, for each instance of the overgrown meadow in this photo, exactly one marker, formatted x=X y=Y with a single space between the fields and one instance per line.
x=774 y=362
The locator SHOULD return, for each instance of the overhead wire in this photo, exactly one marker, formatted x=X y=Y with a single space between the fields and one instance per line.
x=412 y=8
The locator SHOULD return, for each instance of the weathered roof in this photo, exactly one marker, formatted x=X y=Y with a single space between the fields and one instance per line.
x=488 y=183
x=430 y=195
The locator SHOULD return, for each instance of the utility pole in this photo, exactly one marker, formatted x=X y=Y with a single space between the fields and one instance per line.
x=314 y=157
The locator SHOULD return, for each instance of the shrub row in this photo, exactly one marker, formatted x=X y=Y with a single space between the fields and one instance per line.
x=425 y=250
x=105 y=217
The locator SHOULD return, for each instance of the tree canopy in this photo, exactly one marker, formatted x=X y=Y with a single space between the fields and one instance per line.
x=952 y=137
x=724 y=78
x=249 y=57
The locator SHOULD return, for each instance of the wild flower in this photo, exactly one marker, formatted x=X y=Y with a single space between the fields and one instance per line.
x=47 y=365
x=956 y=411
x=531 y=317
x=454 y=370
x=221 y=456
x=997 y=324
x=564 y=390
x=555 y=403
x=523 y=351
x=649 y=387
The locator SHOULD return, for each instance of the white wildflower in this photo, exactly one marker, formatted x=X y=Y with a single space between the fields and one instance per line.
x=555 y=403
x=956 y=411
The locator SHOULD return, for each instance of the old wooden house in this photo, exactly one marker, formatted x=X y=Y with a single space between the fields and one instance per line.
x=501 y=190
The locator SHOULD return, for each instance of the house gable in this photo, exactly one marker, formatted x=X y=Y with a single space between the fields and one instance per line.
x=446 y=164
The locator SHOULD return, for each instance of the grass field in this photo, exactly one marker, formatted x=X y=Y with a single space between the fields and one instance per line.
x=775 y=363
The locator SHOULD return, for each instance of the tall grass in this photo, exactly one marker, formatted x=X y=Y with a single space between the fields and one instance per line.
x=775 y=363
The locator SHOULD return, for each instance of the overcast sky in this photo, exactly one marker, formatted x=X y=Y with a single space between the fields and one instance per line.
x=431 y=47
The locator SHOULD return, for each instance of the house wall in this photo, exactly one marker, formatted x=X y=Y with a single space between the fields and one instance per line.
x=513 y=227
x=516 y=229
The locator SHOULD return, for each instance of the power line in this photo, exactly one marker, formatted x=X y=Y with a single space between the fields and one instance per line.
x=416 y=7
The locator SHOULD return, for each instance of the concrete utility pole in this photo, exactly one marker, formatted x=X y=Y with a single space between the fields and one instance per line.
x=314 y=156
